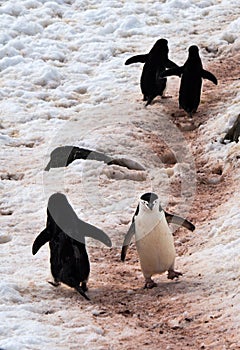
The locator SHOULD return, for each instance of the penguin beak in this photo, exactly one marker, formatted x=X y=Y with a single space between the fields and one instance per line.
x=150 y=205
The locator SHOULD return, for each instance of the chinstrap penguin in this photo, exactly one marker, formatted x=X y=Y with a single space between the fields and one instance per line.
x=155 y=62
x=62 y=156
x=66 y=234
x=191 y=74
x=154 y=240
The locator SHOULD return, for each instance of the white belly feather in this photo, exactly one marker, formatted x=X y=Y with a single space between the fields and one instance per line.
x=155 y=244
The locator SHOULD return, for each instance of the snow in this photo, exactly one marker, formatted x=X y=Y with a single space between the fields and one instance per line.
x=63 y=82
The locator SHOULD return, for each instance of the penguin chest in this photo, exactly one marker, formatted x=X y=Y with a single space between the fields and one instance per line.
x=155 y=248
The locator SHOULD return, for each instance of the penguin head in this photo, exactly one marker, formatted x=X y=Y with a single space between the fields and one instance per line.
x=193 y=50
x=161 y=43
x=149 y=201
x=58 y=205
x=161 y=46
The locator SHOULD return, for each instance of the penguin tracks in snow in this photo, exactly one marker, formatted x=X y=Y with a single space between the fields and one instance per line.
x=116 y=173
x=5 y=238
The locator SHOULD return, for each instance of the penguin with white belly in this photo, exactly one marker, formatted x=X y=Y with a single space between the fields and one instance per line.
x=154 y=240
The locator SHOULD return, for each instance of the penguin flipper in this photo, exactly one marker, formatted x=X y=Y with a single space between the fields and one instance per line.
x=136 y=59
x=91 y=231
x=173 y=71
x=174 y=219
x=209 y=76
x=127 y=241
x=42 y=238
x=171 y=64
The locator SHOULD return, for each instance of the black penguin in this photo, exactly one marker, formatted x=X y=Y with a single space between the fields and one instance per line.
x=191 y=74
x=64 y=155
x=66 y=233
x=155 y=61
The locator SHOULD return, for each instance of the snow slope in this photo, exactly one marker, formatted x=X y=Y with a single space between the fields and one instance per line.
x=63 y=81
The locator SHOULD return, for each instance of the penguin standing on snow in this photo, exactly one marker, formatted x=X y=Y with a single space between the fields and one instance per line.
x=155 y=61
x=191 y=74
x=154 y=240
x=66 y=233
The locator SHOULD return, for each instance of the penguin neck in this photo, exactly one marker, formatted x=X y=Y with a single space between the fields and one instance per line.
x=195 y=61
x=147 y=220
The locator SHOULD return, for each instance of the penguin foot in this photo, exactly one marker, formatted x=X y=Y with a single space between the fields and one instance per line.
x=150 y=284
x=81 y=291
x=84 y=286
x=148 y=103
x=149 y=100
x=54 y=283
x=173 y=274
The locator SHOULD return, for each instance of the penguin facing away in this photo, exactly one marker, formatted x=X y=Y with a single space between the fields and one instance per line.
x=66 y=234
x=191 y=74
x=155 y=62
x=154 y=240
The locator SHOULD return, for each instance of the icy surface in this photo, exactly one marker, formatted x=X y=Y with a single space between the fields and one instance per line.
x=63 y=82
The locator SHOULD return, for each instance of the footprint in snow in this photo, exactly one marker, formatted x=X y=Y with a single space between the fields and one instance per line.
x=4 y=238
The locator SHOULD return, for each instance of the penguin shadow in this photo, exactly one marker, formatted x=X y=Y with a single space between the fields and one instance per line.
x=162 y=289
x=63 y=292
x=171 y=288
x=130 y=301
x=185 y=124
x=163 y=100
x=126 y=282
x=177 y=115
